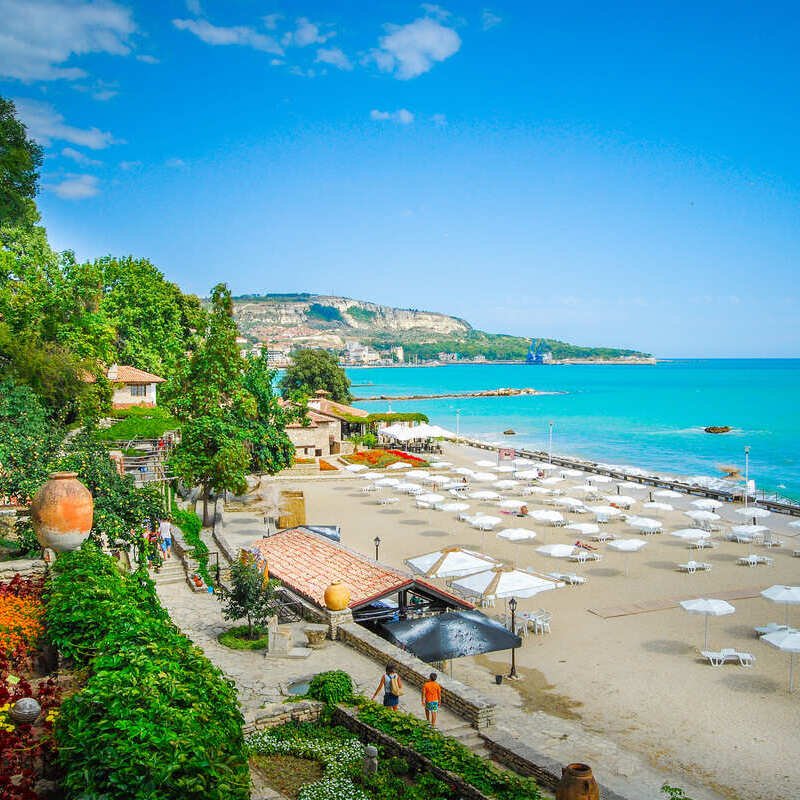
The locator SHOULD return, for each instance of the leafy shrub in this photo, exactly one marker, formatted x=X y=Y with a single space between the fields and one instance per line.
x=155 y=718
x=361 y=314
x=237 y=639
x=191 y=525
x=324 y=313
x=448 y=754
x=331 y=687
x=251 y=596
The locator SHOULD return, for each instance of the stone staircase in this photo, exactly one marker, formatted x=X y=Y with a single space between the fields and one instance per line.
x=465 y=734
x=171 y=572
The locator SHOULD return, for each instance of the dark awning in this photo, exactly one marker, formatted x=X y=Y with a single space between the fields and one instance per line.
x=451 y=635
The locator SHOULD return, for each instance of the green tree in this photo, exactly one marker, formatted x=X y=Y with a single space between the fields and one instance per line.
x=271 y=450
x=214 y=408
x=251 y=596
x=312 y=370
x=20 y=160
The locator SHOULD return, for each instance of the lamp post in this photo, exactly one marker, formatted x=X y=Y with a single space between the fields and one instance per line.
x=458 y=424
x=550 y=443
x=746 y=473
x=512 y=604
x=377 y=542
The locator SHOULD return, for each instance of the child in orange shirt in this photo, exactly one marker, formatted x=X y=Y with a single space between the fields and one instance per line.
x=431 y=697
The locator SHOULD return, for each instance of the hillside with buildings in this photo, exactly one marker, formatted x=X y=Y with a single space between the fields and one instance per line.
x=368 y=333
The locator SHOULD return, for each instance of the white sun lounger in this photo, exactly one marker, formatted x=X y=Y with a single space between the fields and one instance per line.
x=582 y=556
x=754 y=561
x=772 y=627
x=718 y=658
x=694 y=566
x=570 y=578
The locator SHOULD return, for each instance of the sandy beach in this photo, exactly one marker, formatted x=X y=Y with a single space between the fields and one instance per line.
x=634 y=682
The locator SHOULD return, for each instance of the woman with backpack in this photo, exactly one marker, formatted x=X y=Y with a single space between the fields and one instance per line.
x=392 y=688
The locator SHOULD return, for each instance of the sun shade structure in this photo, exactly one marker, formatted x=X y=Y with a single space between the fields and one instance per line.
x=503 y=582
x=626 y=546
x=387 y=482
x=749 y=530
x=451 y=562
x=658 y=506
x=789 y=642
x=667 y=493
x=752 y=511
x=513 y=505
x=783 y=595
x=543 y=515
x=691 y=534
x=516 y=534
x=356 y=467
x=557 y=550
x=452 y=506
x=621 y=500
x=706 y=504
x=708 y=607
x=484 y=494
x=484 y=462
x=451 y=635
x=702 y=516
x=585 y=528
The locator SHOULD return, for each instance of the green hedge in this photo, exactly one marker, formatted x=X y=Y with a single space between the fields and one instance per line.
x=448 y=753
x=155 y=718
x=191 y=525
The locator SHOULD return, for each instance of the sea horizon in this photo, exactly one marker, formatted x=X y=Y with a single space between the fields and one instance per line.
x=652 y=417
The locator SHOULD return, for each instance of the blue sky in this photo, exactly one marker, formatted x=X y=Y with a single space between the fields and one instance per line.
x=605 y=173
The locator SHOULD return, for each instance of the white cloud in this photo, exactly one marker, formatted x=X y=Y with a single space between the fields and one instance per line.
x=402 y=116
x=76 y=187
x=80 y=158
x=45 y=124
x=439 y=120
x=37 y=37
x=335 y=57
x=237 y=34
x=127 y=166
x=305 y=34
x=148 y=59
x=175 y=163
x=271 y=21
x=436 y=11
x=489 y=19
x=411 y=50
x=194 y=7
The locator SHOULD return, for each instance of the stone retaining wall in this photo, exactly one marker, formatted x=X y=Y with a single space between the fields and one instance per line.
x=458 y=698
x=281 y=713
x=27 y=567
x=391 y=747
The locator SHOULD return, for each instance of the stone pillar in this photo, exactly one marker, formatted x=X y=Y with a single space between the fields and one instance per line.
x=337 y=618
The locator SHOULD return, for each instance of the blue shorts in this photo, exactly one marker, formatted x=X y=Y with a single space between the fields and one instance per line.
x=165 y=543
x=432 y=705
x=391 y=700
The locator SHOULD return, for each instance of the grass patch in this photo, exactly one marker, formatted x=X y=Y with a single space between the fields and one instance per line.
x=286 y=774
x=139 y=423
x=236 y=639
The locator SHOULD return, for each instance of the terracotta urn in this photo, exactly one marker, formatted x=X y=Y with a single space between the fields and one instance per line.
x=337 y=596
x=577 y=783
x=62 y=512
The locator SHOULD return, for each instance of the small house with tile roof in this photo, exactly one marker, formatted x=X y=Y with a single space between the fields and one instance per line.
x=353 y=421
x=319 y=436
x=132 y=386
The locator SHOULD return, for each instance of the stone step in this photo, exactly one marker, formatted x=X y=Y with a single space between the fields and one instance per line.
x=169 y=581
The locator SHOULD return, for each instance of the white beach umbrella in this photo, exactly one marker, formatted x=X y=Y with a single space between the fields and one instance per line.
x=385 y=500
x=571 y=503
x=754 y=512
x=387 y=482
x=543 y=515
x=554 y=480
x=452 y=506
x=545 y=466
x=520 y=461
x=621 y=500
x=506 y=468
x=484 y=477
x=430 y=498
x=626 y=546
x=505 y=484
x=484 y=462
x=527 y=474
x=557 y=550
x=645 y=524
x=669 y=493
x=749 y=530
x=702 y=516
x=484 y=494
x=789 y=642
x=708 y=607
x=691 y=534
x=463 y=471
x=441 y=464
x=516 y=534
x=632 y=486
x=584 y=528
x=503 y=582
x=598 y=479
x=409 y=488
x=419 y=474
x=513 y=505
x=450 y=562
x=783 y=595
x=398 y=465
x=485 y=522
x=706 y=504
x=603 y=513
x=571 y=473
x=795 y=524
x=657 y=506
x=541 y=491
x=373 y=476
x=582 y=489
x=356 y=467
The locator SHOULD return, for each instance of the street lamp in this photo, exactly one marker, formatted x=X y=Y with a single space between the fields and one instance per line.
x=377 y=542
x=746 y=473
x=458 y=423
x=550 y=443
x=512 y=604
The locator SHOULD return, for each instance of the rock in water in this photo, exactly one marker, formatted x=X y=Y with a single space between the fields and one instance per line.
x=718 y=429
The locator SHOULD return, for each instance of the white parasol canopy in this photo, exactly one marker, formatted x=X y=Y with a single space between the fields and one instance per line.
x=543 y=515
x=626 y=546
x=622 y=500
x=450 y=562
x=421 y=474
x=387 y=482
x=503 y=582
x=585 y=528
x=452 y=506
x=691 y=534
x=398 y=465
x=484 y=494
x=756 y=512
x=463 y=471
x=602 y=513
x=356 y=467
x=513 y=505
x=440 y=464
x=430 y=498
x=505 y=484
x=484 y=477
x=783 y=595
x=702 y=516
x=706 y=504
x=571 y=473
x=527 y=474
x=598 y=479
x=557 y=550
x=373 y=476
x=645 y=524
x=516 y=534
x=749 y=530
x=789 y=642
x=667 y=493
x=708 y=607
x=656 y=506
x=571 y=503
x=484 y=462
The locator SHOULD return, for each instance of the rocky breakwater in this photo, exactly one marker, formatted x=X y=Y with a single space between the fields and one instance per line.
x=505 y=392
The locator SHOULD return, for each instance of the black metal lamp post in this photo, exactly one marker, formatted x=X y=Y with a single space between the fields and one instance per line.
x=512 y=604
x=377 y=542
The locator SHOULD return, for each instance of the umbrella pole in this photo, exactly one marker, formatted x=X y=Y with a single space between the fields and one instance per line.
x=791 y=673
x=705 y=639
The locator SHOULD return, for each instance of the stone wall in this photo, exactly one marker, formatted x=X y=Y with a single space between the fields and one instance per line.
x=392 y=748
x=458 y=698
x=281 y=713
x=27 y=567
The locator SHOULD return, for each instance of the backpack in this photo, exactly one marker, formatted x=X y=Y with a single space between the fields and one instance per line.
x=394 y=686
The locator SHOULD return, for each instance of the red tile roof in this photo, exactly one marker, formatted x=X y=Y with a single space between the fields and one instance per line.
x=325 y=406
x=307 y=564
x=127 y=374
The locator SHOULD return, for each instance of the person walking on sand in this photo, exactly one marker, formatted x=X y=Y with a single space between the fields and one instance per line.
x=431 y=697
x=392 y=688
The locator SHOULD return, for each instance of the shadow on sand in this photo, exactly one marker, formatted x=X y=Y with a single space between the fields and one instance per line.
x=668 y=646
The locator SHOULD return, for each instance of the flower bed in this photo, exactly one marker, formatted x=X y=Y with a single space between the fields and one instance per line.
x=155 y=718
x=380 y=459
x=21 y=613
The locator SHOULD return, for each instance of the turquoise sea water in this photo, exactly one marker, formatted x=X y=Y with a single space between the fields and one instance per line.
x=647 y=416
